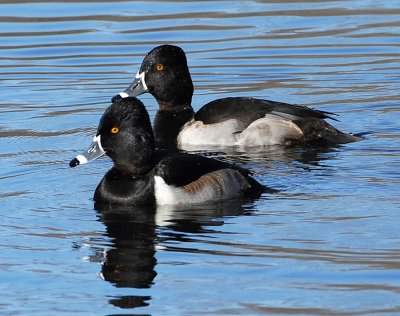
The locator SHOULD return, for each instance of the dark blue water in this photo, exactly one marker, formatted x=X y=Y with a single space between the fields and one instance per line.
x=327 y=244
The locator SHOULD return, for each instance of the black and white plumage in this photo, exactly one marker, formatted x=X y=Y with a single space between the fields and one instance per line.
x=142 y=175
x=235 y=121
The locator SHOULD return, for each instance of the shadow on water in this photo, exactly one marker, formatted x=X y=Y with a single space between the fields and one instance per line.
x=130 y=262
x=134 y=231
x=137 y=232
x=303 y=156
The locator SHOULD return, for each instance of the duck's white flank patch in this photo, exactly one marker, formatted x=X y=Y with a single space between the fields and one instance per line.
x=269 y=130
x=217 y=185
x=265 y=131
x=220 y=134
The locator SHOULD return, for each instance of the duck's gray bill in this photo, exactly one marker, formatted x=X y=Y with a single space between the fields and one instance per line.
x=94 y=151
x=136 y=88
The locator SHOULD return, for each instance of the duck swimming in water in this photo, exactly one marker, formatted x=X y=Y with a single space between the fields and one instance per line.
x=142 y=175
x=232 y=121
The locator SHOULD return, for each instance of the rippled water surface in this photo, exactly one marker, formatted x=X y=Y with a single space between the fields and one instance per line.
x=327 y=244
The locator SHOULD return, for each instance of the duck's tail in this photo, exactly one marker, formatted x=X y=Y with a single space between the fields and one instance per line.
x=341 y=138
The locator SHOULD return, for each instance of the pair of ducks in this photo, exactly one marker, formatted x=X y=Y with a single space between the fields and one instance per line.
x=144 y=175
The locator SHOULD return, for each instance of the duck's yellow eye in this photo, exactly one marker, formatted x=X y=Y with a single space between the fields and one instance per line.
x=115 y=130
x=160 y=67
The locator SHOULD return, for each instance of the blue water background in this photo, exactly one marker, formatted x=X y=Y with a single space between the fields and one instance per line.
x=327 y=244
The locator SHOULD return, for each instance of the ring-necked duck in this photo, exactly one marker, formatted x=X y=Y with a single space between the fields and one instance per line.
x=164 y=73
x=142 y=175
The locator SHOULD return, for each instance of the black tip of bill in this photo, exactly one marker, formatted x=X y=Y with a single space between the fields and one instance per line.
x=95 y=151
x=73 y=163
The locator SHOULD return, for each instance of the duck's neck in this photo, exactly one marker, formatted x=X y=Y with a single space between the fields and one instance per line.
x=132 y=170
x=168 y=121
x=135 y=162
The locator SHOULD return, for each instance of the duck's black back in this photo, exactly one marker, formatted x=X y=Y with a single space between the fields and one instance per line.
x=247 y=110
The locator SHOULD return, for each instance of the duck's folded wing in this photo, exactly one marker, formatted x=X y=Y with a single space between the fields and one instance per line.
x=185 y=169
x=182 y=169
x=247 y=110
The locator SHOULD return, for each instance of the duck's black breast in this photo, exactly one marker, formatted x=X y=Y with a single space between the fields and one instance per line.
x=167 y=125
x=118 y=188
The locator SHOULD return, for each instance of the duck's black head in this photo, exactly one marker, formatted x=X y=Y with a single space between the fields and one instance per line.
x=126 y=136
x=165 y=74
